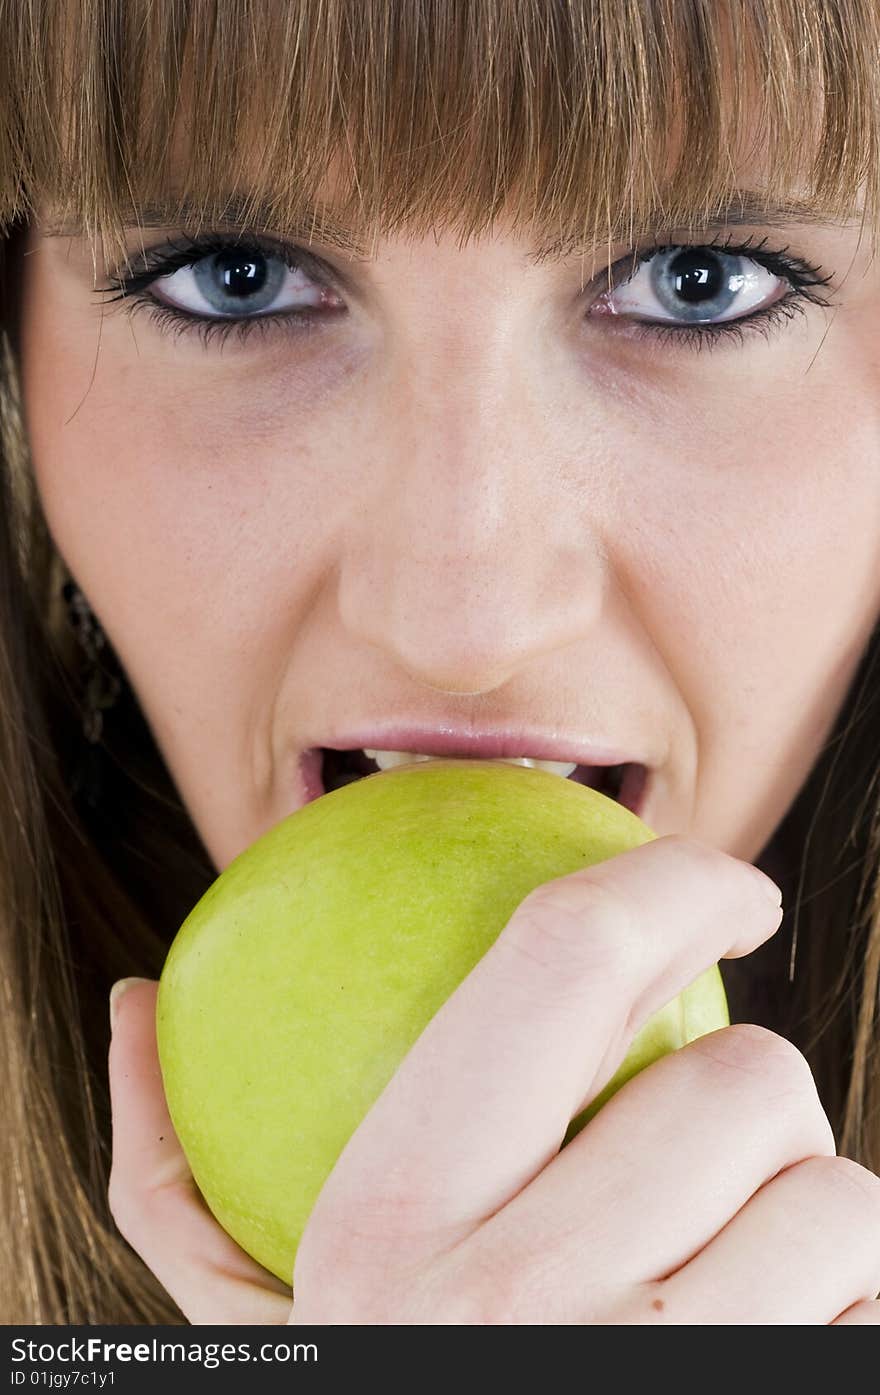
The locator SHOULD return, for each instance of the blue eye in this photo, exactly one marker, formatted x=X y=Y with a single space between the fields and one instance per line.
x=690 y=295
x=234 y=281
x=694 y=285
x=700 y=285
x=237 y=282
x=219 y=285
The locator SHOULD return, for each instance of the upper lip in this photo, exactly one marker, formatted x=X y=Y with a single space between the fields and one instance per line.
x=451 y=741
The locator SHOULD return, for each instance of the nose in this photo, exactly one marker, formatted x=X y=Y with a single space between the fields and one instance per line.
x=469 y=560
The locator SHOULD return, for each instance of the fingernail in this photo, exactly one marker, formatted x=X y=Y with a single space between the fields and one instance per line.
x=121 y=986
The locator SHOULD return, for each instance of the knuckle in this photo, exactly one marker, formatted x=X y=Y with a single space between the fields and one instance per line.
x=502 y=1276
x=484 y=1306
x=695 y=853
x=361 y=1256
x=852 y=1186
x=323 y=1292
x=715 y=863
x=484 y=1294
x=771 y=1070
x=847 y=1198
x=755 y=1052
x=698 y=850
x=575 y=924
x=693 y=848
x=328 y=1276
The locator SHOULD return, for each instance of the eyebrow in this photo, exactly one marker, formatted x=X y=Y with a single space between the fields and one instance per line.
x=746 y=208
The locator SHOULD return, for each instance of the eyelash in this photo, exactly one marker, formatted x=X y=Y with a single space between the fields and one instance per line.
x=805 y=281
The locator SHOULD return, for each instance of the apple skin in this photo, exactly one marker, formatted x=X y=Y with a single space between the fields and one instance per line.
x=302 y=977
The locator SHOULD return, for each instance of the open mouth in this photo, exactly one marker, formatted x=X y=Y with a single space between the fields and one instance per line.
x=626 y=783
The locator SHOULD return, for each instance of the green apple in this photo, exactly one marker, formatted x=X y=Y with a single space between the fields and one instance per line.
x=302 y=977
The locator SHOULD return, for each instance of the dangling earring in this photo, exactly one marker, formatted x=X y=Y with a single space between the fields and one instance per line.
x=100 y=690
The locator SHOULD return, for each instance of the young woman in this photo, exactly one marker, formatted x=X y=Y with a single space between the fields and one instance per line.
x=453 y=378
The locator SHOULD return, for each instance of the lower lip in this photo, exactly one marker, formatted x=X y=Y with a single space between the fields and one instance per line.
x=633 y=792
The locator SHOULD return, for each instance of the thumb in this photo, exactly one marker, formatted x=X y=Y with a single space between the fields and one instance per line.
x=153 y=1196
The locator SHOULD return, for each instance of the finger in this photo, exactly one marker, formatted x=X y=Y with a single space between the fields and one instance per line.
x=692 y=1138
x=864 y=1314
x=154 y=1199
x=804 y=1248
x=482 y=1101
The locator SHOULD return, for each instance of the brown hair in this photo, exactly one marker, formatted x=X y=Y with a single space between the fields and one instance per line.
x=588 y=121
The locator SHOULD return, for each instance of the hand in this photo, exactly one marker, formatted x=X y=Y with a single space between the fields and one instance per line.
x=706 y=1191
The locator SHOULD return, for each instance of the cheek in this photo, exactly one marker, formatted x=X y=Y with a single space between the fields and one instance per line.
x=761 y=586
x=156 y=463
x=184 y=498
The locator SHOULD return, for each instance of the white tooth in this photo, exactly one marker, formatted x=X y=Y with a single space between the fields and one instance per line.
x=387 y=759
x=555 y=767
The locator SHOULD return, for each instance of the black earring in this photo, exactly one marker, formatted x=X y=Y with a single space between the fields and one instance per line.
x=100 y=690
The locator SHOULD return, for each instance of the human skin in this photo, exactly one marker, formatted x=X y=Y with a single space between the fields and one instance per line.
x=470 y=499
x=462 y=503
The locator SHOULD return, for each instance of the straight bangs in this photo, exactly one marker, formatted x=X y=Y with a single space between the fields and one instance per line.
x=587 y=122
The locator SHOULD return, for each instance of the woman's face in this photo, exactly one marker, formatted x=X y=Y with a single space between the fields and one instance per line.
x=476 y=493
